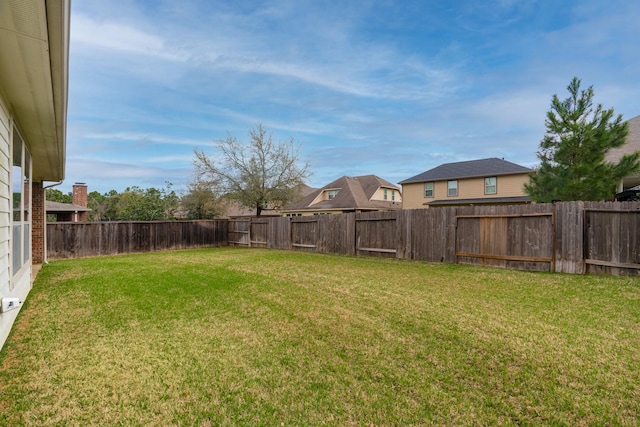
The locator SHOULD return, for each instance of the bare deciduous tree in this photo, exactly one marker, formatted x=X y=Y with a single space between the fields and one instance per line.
x=260 y=174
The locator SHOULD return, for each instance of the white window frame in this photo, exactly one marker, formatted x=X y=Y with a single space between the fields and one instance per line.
x=20 y=243
x=452 y=188
x=488 y=185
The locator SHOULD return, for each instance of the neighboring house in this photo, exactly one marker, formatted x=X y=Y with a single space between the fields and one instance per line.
x=631 y=145
x=484 y=181
x=34 y=57
x=76 y=211
x=349 y=194
x=235 y=210
x=67 y=212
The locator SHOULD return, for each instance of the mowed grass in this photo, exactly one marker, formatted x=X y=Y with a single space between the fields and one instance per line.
x=257 y=337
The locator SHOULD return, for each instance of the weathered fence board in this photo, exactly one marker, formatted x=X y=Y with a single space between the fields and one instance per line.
x=432 y=234
x=569 y=233
x=74 y=240
x=509 y=240
x=239 y=232
x=377 y=234
x=305 y=233
x=612 y=238
x=259 y=233
x=336 y=234
x=279 y=233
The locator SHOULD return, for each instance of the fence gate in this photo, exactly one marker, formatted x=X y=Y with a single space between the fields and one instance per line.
x=612 y=241
x=304 y=233
x=376 y=236
x=239 y=232
x=506 y=240
x=259 y=232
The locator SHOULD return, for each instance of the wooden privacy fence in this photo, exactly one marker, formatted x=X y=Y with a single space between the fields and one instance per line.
x=75 y=240
x=569 y=237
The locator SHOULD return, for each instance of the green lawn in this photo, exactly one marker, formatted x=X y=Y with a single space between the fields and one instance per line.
x=256 y=337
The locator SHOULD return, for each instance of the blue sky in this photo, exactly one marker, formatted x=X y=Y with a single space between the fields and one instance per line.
x=391 y=88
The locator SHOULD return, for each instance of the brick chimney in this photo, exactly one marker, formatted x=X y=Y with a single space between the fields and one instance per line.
x=80 y=199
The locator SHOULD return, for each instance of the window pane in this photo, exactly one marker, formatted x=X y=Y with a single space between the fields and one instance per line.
x=16 y=247
x=428 y=189
x=452 y=188
x=490 y=185
x=27 y=243
x=26 y=185
x=16 y=176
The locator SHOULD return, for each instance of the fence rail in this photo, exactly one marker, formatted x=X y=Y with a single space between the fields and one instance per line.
x=568 y=237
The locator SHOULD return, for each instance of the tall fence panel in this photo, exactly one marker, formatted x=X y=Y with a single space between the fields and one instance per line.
x=518 y=237
x=612 y=238
x=377 y=234
x=279 y=232
x=431 y=234
x=75 y=240
x=239 y=232
x=259 y=232
x=336 y=234
x=305 y=233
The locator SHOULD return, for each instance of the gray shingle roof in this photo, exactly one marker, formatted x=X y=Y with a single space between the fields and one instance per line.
x=51 y=207
x=469 y=169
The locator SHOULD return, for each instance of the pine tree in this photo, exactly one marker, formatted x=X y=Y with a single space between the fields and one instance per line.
x=573 y=150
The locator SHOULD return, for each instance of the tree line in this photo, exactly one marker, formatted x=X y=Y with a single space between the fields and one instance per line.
x=133 y=204
x=147 y=204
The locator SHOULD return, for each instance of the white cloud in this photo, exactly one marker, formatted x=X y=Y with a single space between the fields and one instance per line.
x=148 y=138
x=120 y=37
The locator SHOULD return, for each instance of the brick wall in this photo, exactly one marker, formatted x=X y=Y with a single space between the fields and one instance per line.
x=38 y=223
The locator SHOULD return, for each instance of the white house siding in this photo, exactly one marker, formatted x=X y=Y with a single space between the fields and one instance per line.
x=21 y=284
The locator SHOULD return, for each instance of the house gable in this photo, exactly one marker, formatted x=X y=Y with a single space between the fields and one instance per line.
x=346 y=194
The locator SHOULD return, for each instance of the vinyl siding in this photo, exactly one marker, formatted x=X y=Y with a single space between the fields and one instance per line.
x=379 y=195
x=19 y=285
x=5 y=197
x=472 y=188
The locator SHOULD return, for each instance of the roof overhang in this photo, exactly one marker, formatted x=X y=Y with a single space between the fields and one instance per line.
x=57 y=207
x=461 y=177
x=480 y=201
x=34 y=75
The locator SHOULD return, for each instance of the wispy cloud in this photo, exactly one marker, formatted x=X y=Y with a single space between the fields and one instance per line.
x=147 y=138
x=119 y=37
x=391 y=88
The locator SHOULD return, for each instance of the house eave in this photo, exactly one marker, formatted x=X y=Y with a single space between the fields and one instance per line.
x=34 y=74
x=480 y=201
x=460 y=177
